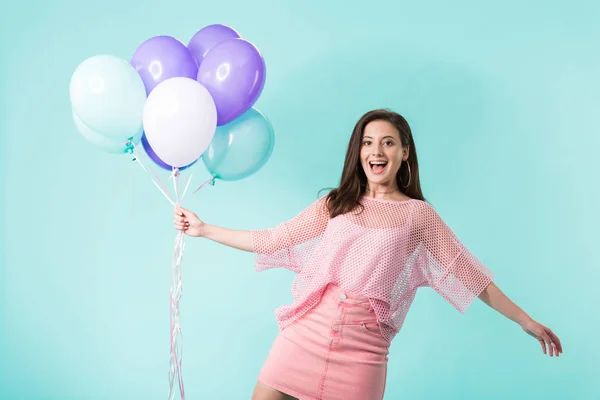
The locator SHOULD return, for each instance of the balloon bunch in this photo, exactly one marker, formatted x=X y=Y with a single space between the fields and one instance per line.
x=182 y=103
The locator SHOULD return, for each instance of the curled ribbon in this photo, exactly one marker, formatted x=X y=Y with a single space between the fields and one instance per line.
x=176 y=336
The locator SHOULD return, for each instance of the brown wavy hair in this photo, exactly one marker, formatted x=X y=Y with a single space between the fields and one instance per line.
x=353 y=183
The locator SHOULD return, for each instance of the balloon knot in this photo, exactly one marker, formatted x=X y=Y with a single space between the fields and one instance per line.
x=129 y=147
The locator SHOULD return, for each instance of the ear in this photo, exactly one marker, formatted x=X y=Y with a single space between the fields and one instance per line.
x=405 y=153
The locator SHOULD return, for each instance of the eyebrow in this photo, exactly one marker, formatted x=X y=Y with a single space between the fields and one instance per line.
x=385 y=137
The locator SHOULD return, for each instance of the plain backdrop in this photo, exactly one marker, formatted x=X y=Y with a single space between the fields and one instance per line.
x=503 y=99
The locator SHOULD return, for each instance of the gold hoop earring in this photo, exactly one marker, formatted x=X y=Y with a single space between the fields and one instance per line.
x=409 y=174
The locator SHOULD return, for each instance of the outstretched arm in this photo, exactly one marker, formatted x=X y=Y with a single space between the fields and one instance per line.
x=282 y=246
x=235 y=238
x=496 y=299
x=188 y=222
x=460 y=277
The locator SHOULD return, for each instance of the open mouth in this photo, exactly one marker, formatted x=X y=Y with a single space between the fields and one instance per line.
x=377 y=167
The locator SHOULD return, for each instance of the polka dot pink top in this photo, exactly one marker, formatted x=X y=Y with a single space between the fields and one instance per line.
x=384 y=251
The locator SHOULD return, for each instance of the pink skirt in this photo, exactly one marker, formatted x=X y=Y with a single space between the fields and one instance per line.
x=335 y=351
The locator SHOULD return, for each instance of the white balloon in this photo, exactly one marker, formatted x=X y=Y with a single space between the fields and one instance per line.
x=180 y=119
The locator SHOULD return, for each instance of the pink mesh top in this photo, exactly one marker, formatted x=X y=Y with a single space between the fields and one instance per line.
x=384 y=252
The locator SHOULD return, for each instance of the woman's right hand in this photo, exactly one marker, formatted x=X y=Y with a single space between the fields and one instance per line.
x=188 y=222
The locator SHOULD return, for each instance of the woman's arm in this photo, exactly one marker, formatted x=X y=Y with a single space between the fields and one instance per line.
x=278 y=241
x=188 y=222
x=238 y=239
x=496 y=299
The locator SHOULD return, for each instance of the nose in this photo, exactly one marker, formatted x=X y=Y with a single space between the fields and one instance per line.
x=377 y=150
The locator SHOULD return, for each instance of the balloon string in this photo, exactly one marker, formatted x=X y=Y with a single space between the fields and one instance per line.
x=176 y=292
x=175 y=332
x=211 y=181
x=176 y=347
x=186 y=189
x=176 y=286
x=155 y=179
x=175 y=176
x=176 y=336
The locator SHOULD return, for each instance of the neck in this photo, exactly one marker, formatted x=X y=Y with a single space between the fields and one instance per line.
x=381 y=190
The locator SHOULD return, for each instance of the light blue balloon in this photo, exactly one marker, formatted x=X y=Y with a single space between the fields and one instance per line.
x=241 y=147
x=108 y=95
x=115 y=146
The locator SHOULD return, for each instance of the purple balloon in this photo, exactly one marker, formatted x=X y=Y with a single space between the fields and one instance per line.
x=234 y=73
x=207 y=37
x=163 y=57
x=157 y=159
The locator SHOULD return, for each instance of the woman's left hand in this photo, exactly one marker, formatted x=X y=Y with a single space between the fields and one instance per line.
x=545 y=336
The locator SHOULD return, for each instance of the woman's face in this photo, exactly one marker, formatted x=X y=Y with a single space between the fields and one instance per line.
x=381 y=153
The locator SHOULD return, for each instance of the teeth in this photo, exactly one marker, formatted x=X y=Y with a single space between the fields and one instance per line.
x=378 y=163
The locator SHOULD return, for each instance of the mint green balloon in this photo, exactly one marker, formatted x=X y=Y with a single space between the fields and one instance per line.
x=108 y=95
x=241 y=147
x=109 y=145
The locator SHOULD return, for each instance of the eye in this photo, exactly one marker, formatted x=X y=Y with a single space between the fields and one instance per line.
x=389 y=143
x=366 y=143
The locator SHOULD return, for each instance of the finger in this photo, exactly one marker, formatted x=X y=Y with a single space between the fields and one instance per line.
x=543 y=345
x=180 y=220
x=186 y=212
x=555 y=340
x=548 y=341
x=556 y=352
x=183 y=210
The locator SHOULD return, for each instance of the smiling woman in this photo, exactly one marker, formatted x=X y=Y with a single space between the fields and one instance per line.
x=381 y=147
x=381 y=162
x=360 y=252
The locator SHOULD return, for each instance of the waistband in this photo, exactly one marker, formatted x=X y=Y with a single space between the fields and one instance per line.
x=337 y=294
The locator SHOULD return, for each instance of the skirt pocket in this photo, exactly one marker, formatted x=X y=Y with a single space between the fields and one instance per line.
x=371 y=328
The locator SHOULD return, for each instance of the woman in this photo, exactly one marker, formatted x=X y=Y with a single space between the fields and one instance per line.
x=360 y=253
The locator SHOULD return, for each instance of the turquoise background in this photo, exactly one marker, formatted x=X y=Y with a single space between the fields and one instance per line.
x=503 y=99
